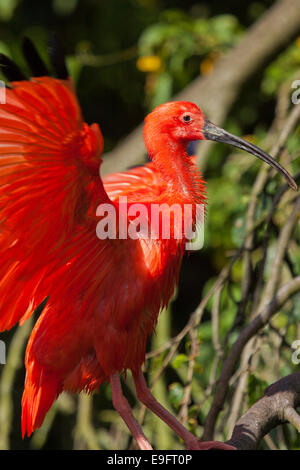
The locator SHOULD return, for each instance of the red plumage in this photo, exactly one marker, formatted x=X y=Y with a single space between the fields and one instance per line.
x=50 y=189
x=104 y=295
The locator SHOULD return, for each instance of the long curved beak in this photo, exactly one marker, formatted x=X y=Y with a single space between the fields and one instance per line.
x=212 y=132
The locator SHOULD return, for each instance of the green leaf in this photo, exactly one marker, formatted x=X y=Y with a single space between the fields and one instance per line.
x=256 y=389
x=163 y=90
x=64 y=7
x=74 y=66
x=4 y=49
x=7 y=8
x=179 y=360
x=176 y=394
x=224 y=27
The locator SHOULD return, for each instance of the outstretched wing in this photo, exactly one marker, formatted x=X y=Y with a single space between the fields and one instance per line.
x=141 y=183
x=49 y=177
x=137 y=184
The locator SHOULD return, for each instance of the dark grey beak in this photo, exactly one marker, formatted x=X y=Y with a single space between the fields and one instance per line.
x=212 y=132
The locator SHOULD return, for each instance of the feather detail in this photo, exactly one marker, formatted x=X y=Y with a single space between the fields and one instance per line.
x=49 y=183
x=42 y=387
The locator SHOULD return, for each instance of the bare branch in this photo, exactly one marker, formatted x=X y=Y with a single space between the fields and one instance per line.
x=284 y=293
x=276 y=407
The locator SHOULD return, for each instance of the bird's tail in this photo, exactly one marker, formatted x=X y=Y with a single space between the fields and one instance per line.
x=42 y=387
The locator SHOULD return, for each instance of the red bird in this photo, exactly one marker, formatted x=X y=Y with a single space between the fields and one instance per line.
x=104 y=295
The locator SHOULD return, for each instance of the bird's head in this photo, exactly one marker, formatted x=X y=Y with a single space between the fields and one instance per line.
x=181 y=122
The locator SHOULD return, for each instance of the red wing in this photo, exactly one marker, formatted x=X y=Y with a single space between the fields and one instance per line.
x=49 y=160
x=138 y=184
x=142 y=183
x=49 y=185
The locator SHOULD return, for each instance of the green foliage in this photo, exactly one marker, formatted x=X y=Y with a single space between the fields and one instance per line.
x=7 y=8
x=255 y=389
x=282 y=69
x=179 y=360
x=176 y=392
x=64 y=7
x=182 y=43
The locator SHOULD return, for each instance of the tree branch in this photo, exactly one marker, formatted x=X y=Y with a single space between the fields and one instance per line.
x=284 y=293
x=277 y=406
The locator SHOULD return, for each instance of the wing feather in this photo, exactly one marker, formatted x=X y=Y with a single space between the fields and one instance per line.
x=49 y=186
x=137 y=184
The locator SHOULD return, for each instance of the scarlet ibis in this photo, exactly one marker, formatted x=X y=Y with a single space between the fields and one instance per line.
x=104 y=295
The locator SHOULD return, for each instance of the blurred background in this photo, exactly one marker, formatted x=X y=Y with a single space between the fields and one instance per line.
x=127 y=57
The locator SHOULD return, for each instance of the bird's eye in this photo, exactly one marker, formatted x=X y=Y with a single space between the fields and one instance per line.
x=187 y=118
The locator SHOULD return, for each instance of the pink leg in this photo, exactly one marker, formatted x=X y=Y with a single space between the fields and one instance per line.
x=191 y=442
x=121 y=405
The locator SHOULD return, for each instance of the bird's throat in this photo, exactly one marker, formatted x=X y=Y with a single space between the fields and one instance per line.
x=176 y=168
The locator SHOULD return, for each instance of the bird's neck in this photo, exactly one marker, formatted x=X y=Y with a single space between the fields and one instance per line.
x=176 y=168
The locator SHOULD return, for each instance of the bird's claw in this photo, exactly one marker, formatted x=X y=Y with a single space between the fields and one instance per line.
x=210 y=445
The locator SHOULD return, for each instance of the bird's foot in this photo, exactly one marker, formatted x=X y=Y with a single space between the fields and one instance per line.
x=209 y=445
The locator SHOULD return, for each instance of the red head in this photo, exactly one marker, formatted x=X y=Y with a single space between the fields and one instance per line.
x=173 y=125
x=179 y=120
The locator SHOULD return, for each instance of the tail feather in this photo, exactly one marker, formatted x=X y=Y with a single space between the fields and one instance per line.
x=42 y=387
x=87 y=375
